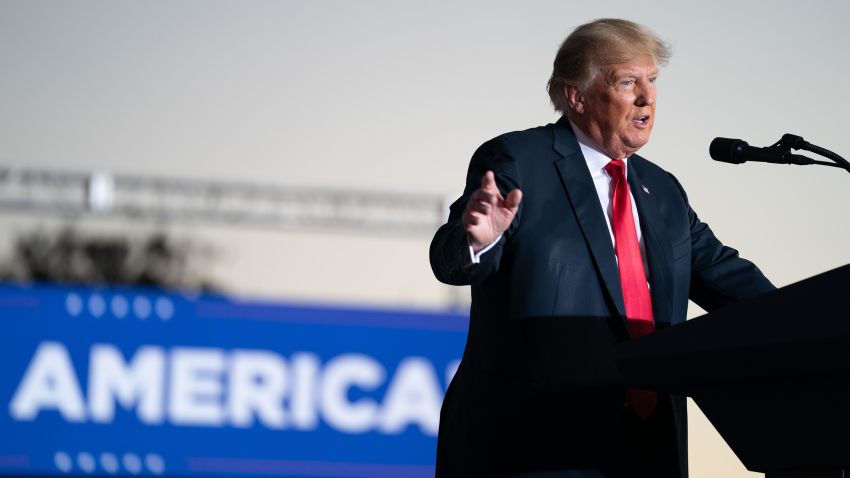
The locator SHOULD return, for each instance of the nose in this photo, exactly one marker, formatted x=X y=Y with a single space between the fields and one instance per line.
x=645 y=94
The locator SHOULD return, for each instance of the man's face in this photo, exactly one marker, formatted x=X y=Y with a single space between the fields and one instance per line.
x=617 y=110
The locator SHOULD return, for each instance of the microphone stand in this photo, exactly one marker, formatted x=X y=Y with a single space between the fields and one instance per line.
x=790 y=141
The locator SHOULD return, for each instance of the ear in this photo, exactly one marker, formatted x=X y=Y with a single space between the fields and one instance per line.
x=575 y=99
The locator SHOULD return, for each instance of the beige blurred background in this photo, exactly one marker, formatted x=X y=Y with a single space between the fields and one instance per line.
x=395 y=96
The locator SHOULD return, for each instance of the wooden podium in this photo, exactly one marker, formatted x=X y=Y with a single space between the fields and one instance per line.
x=772 y=374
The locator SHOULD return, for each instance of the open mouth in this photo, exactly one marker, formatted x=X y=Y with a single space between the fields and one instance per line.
x=641 y=121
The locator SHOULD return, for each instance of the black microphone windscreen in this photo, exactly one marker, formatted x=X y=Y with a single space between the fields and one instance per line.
x=726 y=150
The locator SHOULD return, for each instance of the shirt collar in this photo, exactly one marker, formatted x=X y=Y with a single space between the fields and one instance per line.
x=596 y=159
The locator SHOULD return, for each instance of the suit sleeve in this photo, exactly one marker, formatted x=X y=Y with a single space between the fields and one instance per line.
x=449 y=251
x=719 y=276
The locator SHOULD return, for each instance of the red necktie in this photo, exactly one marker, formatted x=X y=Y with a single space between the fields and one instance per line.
x=632 y=277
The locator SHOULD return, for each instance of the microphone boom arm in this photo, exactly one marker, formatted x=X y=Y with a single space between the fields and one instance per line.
x=790 y=141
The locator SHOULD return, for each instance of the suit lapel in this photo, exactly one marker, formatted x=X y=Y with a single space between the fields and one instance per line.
x=659 y=252
x=578 y=184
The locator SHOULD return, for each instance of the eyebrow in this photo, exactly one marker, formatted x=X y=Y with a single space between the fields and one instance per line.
x=631 y=74
x=636 y=73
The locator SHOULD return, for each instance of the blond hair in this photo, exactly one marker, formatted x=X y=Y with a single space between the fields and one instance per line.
x=597 y=44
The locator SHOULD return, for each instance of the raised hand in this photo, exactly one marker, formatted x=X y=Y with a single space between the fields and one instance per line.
x=488 y=214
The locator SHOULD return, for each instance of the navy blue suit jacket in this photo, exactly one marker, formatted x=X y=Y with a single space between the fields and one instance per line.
x=537 y=388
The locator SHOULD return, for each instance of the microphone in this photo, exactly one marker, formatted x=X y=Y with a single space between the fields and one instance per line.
x=737 y=151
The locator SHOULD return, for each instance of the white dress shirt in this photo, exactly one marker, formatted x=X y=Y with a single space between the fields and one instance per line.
x=596 y=161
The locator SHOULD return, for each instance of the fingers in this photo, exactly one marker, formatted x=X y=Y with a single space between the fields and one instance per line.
x=485 y=197
x=471 y=218
x=513 y=199
x=488 y=183
x=478 y=208
x=487 y=215
x=489 y=192
x=480 y=205
x=487 y=205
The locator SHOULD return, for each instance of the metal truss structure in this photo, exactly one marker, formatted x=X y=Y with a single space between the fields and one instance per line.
x=100 y=194
x=77 y=195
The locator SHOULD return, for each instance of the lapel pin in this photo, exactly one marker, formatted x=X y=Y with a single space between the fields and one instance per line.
x=645 y=189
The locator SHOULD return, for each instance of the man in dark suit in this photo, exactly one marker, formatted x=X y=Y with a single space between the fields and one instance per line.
x=573 y=243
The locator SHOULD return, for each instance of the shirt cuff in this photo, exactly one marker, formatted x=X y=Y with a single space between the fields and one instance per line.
x=476 y=258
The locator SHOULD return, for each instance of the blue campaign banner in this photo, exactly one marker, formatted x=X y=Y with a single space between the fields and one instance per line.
x=132 y=381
